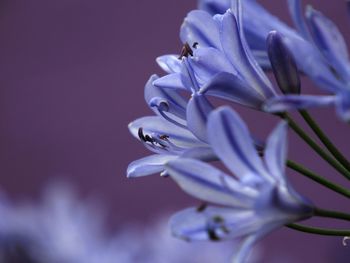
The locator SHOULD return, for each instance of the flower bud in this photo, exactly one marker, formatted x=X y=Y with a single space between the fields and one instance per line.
x=283 y=64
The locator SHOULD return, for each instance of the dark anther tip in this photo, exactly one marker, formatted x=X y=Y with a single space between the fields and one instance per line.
x=164 y=137
x=186 y=51
x=202 y=207
x=141 y=135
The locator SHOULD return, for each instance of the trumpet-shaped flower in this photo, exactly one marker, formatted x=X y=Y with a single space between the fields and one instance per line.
x=246 y=207
x=166 y=133
x=317 y=46
x=221 y=63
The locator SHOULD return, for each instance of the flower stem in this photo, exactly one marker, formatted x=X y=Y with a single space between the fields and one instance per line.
x=302 y=134
x=319 y=231
x=331 y=214
x=324 y=139
x=317 y=178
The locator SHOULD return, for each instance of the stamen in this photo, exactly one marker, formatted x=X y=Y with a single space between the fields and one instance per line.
x=218 y=219
x=164 y=137
x=202 y=207
x=155 y=142
x=186 y=51
x=143 y=137
x=212 y=235
x=195 y=44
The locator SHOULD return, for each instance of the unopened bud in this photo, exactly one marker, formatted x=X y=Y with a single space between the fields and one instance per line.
x=283 y=64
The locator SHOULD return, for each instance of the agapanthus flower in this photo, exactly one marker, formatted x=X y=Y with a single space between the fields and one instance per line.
x=317 y=46
x=222 y=64
x=246 y=206
x=166 y=133
x=226 y=70
x=177 y=130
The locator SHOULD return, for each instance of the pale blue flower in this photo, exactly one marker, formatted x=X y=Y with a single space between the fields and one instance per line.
x=226 y=70
x=166 y=134
x=246 y=207
x=318 y=48
x=221 y=65
x=178 y=129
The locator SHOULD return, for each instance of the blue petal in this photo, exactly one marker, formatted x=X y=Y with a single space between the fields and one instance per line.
x=331 y=42
x=292 y=102
x=208 y=183
x=199 y=27
x=343 y=105
x=213 y=223
x=214 y=6
x=148 y=165
x=262 y=58
x=256 y=29
x=170 y=63
x=158 y=126
x=171 y=81
x=207 y=62
x=198 y=109
x=170 y=99
x=236 y=49
x=231 y=141
x=227 y=86
x=242 y=253
x=200 y=153
x=276 y=152
x=296 y=12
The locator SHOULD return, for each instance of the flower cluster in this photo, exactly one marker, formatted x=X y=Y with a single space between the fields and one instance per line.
x=228 y=46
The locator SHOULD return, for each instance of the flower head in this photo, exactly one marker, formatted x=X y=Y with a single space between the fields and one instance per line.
x=317 y=46
x=167 y=133
x=256 y=201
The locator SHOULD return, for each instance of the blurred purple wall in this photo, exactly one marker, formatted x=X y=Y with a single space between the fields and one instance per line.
x=72 y=74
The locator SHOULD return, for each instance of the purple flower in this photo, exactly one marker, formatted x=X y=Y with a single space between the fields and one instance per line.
x=246 y=207
x=167 y=133
x=317 y=46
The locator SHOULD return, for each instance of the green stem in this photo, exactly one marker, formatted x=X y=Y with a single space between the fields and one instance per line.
x=324 y=139
x=319 y=231
x=329 y=159
x=317 y=178
x=331 y=214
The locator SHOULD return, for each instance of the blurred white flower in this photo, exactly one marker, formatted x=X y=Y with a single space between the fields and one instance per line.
x=62 y=229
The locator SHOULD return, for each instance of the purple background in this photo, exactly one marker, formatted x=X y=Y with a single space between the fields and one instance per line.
x=72 y=74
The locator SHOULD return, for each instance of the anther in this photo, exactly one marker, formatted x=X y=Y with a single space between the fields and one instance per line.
x=143 y=137
x=202 y=207
x=186 y=51
x=195 y=44
x=164 y=137
x=212 y=235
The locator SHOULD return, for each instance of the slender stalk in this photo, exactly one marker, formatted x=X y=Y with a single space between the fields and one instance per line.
x=329 y=159
x=324 y=139
x=317 y=178
x=319 y=231
x=331 y=214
